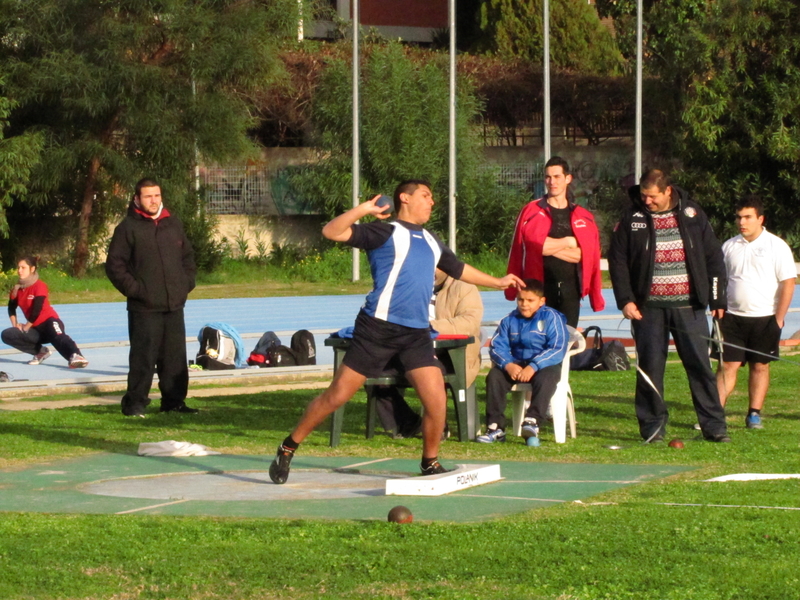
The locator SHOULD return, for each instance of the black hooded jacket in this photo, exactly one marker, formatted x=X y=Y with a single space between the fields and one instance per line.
x=151 y=262
x=631 y=257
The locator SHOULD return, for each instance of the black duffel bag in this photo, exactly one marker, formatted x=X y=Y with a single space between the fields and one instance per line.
x=599 y=355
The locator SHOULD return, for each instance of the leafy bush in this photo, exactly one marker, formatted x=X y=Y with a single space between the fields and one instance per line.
x=404 y=135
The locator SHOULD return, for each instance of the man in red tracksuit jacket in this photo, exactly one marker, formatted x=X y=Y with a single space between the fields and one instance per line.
x=557 y=242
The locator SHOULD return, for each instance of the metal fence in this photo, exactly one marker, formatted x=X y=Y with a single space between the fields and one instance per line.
x=258 y=189
x=252 y=189
x=524 y=176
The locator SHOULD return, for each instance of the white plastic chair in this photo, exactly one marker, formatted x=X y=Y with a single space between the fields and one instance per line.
x=561 y=404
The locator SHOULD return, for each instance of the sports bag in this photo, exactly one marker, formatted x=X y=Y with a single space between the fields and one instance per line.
x=258 y=357
x=217 y=350
x=281 y=356
x=304 y=347
x=599 y=355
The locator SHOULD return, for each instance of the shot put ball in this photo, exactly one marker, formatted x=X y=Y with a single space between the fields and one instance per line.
x=400 y=514
x=385 y=201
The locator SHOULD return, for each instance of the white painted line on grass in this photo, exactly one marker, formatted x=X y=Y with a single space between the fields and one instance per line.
x=125 y=512
x=730 y=506
x=756 y=476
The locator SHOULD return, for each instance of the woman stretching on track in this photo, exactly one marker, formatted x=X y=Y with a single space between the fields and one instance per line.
x=43 y=326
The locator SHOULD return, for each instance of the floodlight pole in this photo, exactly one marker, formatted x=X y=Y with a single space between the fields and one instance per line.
x=452 y=184
x=639 y=60
x=356 y=138
x=300 y=28
x=546 y=115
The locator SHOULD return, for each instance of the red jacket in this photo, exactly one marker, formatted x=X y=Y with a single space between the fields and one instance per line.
x=25 y=298
x=533 y=226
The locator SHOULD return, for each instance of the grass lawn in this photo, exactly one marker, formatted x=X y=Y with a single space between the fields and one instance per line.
x=628 y=543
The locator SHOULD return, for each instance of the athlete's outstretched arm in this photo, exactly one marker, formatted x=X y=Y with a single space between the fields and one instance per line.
x=476 y=277
x=339 y=230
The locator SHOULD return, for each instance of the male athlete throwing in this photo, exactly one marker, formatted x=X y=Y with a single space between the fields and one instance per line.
x=394 y=320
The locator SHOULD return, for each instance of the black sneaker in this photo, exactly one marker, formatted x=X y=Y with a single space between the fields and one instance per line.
x=279 y=469
x=435 y=468
x=180 y=409
x=655 y=438
x=720 y=438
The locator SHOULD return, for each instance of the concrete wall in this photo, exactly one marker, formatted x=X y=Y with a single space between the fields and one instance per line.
x=295 y=230
x=589 y=164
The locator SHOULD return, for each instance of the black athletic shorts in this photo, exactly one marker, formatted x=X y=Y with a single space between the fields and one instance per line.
x=760 y=334
x=375 y=343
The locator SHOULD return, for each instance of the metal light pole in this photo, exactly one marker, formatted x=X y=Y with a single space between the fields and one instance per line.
x=546 y=116
x=639 y=60
x=356 y=138
x=452 y=184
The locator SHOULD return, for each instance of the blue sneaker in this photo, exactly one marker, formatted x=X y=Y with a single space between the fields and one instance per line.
x=753 y=421
x=530 y=429
x=492 y=435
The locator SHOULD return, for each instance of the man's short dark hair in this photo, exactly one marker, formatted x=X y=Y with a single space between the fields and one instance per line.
x=533 y=285
x=143 y=183
x=657 y=178
x=557 y=161
x=409 y=186
x=751 y=201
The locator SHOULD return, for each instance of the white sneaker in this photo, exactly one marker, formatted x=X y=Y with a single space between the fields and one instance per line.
x=491 y=436
x=41 y=356
x=76 y=361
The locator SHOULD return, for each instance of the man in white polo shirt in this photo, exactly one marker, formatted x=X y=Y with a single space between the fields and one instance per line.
x=761 y=277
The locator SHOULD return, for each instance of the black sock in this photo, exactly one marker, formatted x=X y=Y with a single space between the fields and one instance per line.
x=290 y=444
x=754 y=411
x=427 y=462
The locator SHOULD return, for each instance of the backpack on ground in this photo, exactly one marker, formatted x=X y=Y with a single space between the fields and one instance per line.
x=304 y=347
x=600 y=355
x=217 y=350
x=281 y=356
x=258 y=357
x=269 y=352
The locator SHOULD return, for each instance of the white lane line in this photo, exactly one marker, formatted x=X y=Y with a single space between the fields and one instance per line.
x=574 y=481
x=125 y=512
x=508 y=498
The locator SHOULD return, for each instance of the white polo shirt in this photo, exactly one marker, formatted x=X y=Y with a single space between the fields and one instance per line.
x=754 y=271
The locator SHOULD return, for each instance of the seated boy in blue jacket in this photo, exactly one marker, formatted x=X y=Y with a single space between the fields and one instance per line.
x=528 y=347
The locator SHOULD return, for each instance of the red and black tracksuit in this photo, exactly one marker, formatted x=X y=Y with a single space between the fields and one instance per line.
x=526 y=259
x=46 y=327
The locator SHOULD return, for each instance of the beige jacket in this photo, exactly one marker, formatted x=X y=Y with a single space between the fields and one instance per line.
x=459 y=310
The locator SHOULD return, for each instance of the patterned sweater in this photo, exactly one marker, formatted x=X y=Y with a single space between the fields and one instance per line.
x=670 y=286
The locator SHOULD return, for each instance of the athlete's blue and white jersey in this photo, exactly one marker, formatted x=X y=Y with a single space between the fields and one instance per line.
x=402 y=258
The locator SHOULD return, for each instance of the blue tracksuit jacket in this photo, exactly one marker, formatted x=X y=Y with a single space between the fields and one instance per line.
x=540 y=341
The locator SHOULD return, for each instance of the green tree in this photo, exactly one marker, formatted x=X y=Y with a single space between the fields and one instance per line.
x=18 y=155
x=404 y=134
x=121 y=89
x=732 y=68
x=578 y=41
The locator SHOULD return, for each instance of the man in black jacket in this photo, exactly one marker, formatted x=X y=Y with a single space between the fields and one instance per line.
x=666 y=266
x=151 y=262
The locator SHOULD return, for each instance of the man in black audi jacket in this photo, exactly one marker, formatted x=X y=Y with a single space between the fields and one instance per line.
x=152 y=263
x=666 y=266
